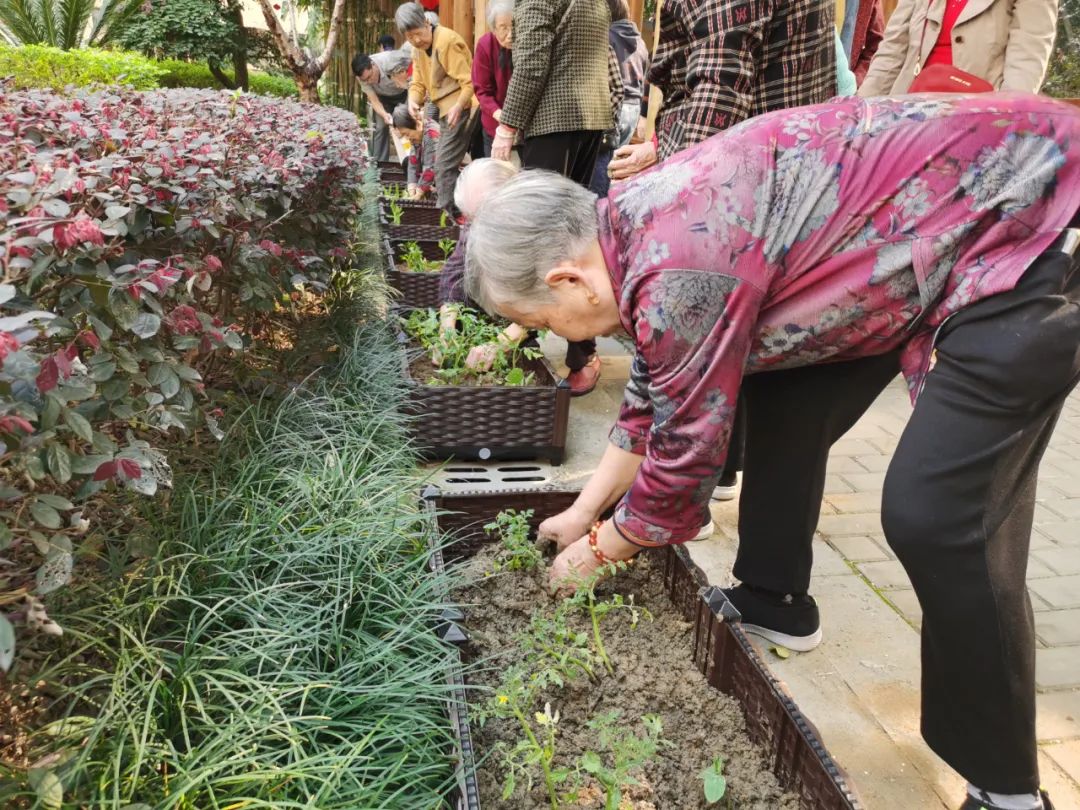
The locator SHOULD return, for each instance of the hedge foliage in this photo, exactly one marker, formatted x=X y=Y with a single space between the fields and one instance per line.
x=40 y=67
x=139 y=232
x=198 y=75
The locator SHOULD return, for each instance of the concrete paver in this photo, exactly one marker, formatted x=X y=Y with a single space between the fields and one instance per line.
x=860 y=687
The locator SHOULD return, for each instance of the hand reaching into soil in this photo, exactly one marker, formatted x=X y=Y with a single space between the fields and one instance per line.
x=482 y=358
x=566 y=527
x=573 y=566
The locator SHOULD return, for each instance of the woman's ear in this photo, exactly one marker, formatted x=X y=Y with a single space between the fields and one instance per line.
x=566 y=273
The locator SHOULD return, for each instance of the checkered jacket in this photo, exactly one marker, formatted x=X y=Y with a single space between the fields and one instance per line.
x=562 y=80
x=720 y=62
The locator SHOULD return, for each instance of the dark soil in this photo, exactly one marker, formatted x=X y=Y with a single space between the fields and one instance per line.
x=654 y=674
x=402 y=267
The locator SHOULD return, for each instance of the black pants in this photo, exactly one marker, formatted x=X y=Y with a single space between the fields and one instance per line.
x=380 y=144
x=573 y=155
x=957 y=508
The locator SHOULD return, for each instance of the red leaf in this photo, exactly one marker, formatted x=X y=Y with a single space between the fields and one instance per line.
x=49 y=375
x=105 y=471
x=9 y=423
x=129 y=469
x=90 y=339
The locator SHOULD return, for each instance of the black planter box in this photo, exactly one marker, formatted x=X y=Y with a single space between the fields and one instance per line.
x=722 y=652
x=413 y=212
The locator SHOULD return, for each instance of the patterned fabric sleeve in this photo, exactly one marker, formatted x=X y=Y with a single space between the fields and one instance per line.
x=615 y=85
x=534 y=33
x=693 y=331
x=721 y=66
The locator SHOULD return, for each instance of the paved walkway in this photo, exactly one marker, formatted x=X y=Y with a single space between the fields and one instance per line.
x=861 y=686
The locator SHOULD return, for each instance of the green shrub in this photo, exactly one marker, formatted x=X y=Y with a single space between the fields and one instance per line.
x=39 y=66
x=197 y=74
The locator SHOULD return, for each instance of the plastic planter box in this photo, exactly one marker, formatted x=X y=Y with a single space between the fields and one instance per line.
x=722 y=652
x=413 y=212
x=422 y=233
x=414 y=290
x=489 y=422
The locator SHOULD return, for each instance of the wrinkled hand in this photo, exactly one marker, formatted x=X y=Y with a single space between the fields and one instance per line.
x=388 y=118
x=453 y=116
x=414 y=111
x=573 y=566
x=482 y=358
x=503 y=143
x=566 y=527
x=631 y=159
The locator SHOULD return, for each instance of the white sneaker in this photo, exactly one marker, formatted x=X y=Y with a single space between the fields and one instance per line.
x=725 y=493
x=706 y=532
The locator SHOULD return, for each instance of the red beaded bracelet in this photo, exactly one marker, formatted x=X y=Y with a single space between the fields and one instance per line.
x=601 y=557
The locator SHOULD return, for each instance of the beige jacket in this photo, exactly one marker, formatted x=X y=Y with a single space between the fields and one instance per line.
x=1006 y=42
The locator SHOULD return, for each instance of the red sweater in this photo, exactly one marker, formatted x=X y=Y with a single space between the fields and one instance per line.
x=491 y=69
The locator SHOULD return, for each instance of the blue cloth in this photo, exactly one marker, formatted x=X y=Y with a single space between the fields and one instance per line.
x=847 y=29
x=846 y=84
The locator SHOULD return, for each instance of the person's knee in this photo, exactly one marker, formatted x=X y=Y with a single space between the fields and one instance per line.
x=907 y=513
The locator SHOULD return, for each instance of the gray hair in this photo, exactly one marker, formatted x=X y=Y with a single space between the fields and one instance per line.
x=535 y=222
x=478 y=180
x=497 y=7
x=409 y=17
x=431 y=17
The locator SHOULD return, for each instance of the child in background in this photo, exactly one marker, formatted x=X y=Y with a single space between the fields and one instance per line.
x=419 y=147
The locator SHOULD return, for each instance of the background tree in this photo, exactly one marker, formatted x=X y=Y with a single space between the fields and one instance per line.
x=1063 y=76
x=306 y=69
x=192 y=30
x=66 y=23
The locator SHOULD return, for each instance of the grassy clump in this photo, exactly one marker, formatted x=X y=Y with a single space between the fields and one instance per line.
x=280 y=654
x=197 y=74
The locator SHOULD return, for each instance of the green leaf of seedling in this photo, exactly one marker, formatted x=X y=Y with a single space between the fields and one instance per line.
x=590 y=762
x=715 y=781
x=515 y=376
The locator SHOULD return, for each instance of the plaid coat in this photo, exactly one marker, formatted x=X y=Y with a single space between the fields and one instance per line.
x=561 y=80
x=720 y=62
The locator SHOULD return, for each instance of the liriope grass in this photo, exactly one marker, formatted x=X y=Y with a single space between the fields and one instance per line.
x=280 y=653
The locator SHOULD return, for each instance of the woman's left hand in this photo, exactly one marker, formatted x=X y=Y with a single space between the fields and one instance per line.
x=482 y=358
x=503 y=142
x=453 y=115
x=574 y=565
x=631 y=159
x=577 y=562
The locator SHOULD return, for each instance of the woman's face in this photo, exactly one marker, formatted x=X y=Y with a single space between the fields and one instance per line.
x=420 y=37
x=504 y=29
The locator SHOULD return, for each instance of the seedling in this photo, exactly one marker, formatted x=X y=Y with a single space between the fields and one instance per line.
x=551 y=647
x=413 y=257
x=715 y=782
x=451 y=347
x=447 y=246
x=444 y=219
x=396 y=212
x=621 y=754
x=585 y=599
x=518 y=552
x=514 y=698
x=392 y=191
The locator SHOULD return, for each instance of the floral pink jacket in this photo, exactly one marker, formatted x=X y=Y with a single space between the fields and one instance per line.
x=813 y=235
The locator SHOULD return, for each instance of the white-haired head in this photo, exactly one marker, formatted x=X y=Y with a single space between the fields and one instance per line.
x=409 y=17
x=497 y=8
x=478 y=180
x=535 y=222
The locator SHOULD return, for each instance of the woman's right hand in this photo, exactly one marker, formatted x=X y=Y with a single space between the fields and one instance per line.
x=566 y=527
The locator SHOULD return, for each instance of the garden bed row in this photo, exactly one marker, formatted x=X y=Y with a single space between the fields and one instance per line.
x=687 y=700
x=519 y=411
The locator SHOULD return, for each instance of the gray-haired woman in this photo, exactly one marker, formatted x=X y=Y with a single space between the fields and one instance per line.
x=493 y=66
x=442 y=71
x=859 y=231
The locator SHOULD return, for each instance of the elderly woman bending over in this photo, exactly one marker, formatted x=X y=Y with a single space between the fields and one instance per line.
x=929 y=232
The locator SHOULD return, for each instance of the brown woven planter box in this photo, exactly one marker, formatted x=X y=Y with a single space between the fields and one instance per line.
x=421 y=233
x=413 y=212
x=414 y=290
x=722 y=653
x=489 y=422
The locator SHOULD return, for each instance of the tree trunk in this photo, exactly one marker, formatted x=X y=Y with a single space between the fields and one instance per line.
x=235 y=12
x=305 y=70
x=219 y=74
